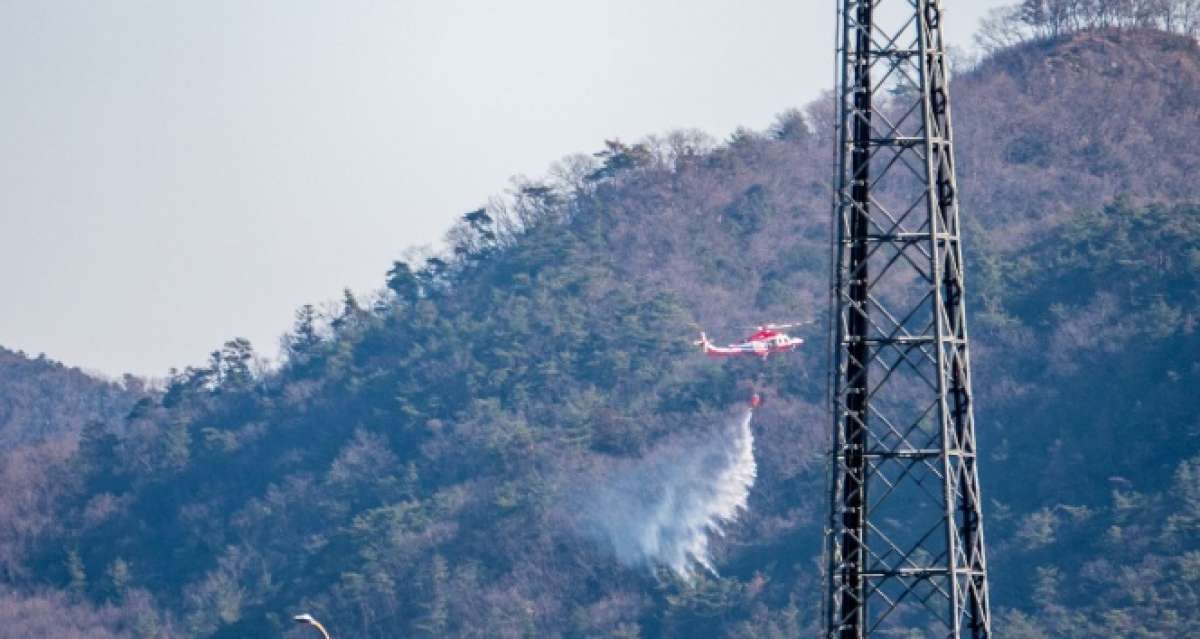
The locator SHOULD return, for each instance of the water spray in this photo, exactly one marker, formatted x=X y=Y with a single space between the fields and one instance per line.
x=660 y=509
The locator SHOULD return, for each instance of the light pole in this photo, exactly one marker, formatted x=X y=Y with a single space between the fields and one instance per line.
x=308 y=619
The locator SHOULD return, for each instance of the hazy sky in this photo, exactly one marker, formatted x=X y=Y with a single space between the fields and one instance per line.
x=175 y=173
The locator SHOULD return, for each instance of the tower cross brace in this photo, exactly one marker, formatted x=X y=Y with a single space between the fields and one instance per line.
x=905 y=532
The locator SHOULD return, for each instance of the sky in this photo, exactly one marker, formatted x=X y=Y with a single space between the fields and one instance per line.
x=175 y=174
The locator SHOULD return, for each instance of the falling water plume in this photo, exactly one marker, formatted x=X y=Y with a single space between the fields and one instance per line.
x=661 y=508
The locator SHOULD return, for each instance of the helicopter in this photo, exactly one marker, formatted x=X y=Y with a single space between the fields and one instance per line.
x=766 y=340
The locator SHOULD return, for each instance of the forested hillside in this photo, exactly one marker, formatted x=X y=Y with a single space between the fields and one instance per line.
x=414 y=467
x=42 y=399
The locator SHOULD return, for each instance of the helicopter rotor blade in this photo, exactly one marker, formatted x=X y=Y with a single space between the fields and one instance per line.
x=783 y=325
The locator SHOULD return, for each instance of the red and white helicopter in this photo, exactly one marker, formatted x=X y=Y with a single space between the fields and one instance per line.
x=766 y=340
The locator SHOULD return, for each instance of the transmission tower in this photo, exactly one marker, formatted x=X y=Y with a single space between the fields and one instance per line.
x=905 y=537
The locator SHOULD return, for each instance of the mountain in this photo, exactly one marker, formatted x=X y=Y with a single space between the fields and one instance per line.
x=42 y=399
x=1087 y=324
x=437 y=461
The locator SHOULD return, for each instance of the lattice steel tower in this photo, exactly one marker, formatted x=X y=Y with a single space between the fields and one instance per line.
x=905 y=537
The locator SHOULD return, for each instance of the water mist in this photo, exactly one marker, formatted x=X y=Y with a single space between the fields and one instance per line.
x=661 y=508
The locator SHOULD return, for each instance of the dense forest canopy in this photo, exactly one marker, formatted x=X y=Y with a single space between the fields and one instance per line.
x=41 y=399
x=414 y=466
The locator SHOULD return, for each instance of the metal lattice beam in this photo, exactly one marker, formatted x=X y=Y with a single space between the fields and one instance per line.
x=905 y=536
